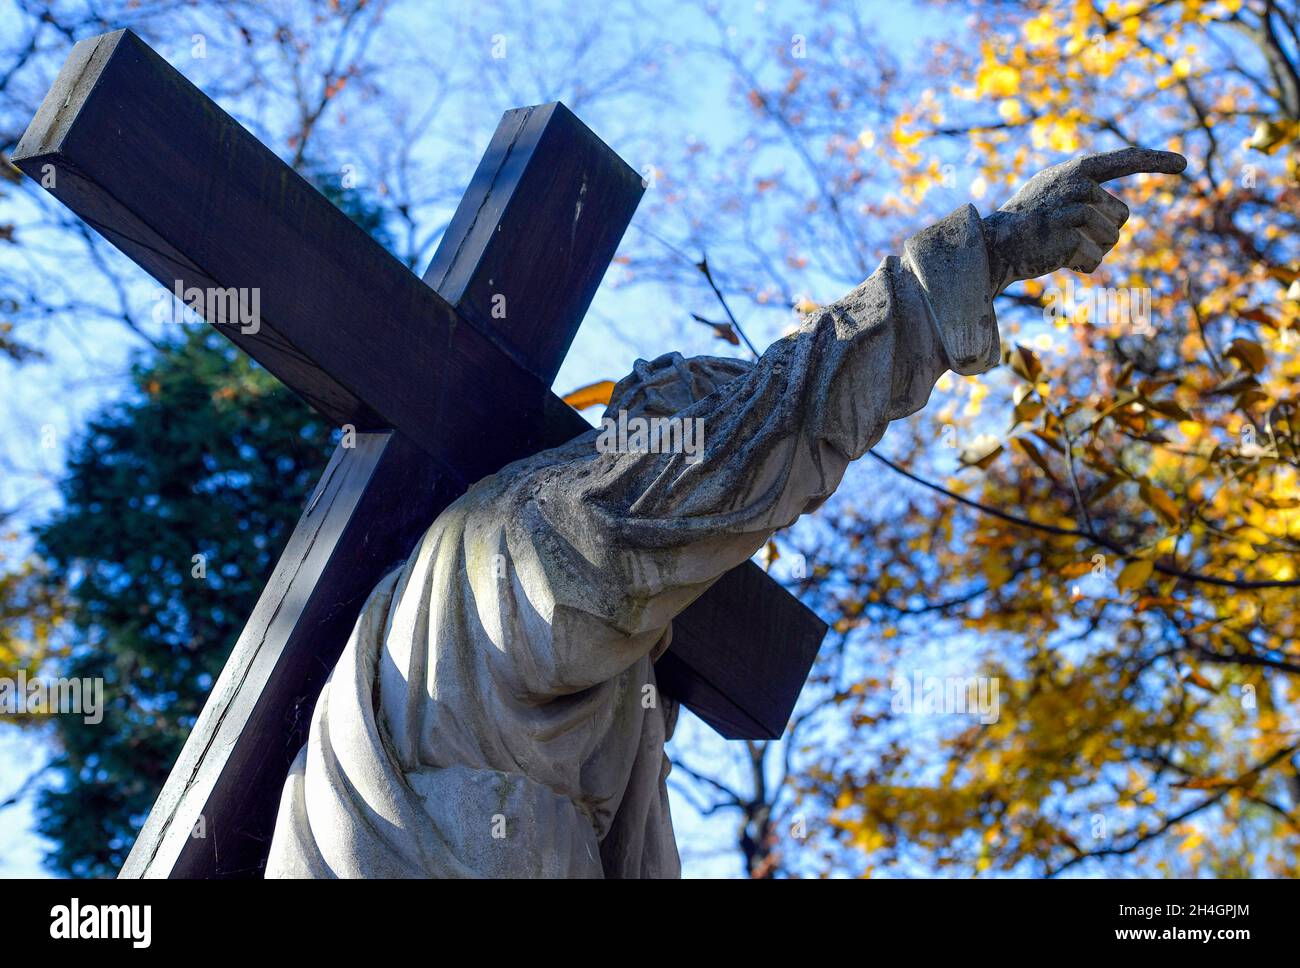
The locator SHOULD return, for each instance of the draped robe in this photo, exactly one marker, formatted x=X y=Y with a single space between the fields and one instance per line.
x=494 y=712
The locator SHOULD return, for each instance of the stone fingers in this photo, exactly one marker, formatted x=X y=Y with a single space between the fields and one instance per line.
x=1087 y=254
x=1130 y=161
x=1094 y=232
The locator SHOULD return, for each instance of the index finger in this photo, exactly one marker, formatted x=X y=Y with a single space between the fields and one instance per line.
x=1129 y=161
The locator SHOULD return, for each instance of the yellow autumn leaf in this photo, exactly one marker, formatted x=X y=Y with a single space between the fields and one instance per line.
x=998 y=80
x=1135 y=574
x=1161 y=501
x=591 y=395
x=1271 y=135
x=1076 y=569
x=1250 y=353
x=1011 y=110
x=981 y=452
x=996 y=571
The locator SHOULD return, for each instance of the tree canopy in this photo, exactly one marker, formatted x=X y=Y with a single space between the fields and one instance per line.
x=1108 y=527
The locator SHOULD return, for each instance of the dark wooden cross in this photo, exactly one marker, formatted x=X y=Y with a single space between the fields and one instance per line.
x=441 y=390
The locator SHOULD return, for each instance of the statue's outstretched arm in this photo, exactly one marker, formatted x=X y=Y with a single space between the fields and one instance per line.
x=628 y=540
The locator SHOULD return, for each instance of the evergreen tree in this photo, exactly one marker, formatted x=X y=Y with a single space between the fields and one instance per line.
x=176 y=505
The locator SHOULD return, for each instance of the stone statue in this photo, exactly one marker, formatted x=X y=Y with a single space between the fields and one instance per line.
x=494 y=712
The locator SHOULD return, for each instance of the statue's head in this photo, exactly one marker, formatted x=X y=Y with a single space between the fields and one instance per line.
x=670 y=383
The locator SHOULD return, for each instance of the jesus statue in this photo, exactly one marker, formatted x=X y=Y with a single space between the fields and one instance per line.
x=495 y=712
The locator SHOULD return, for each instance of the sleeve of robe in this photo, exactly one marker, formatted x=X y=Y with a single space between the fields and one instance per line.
x=626 y=541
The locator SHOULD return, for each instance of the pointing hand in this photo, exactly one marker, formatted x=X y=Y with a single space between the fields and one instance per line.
x=1063 y=218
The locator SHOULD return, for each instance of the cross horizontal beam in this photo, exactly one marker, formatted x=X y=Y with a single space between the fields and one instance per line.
x=191 y=196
